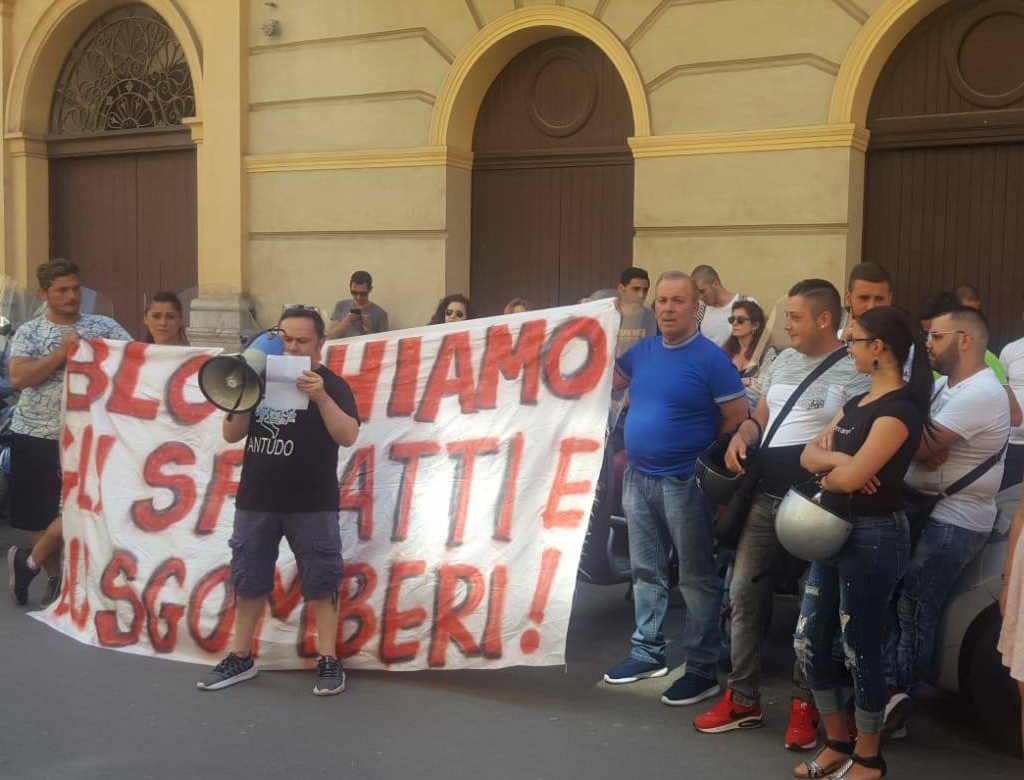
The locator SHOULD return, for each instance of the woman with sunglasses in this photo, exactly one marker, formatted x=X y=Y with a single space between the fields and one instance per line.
x=863 y=456
x=748 y=324
x=452 y=308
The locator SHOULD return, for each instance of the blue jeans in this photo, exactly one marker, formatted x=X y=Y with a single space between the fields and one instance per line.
x=939 y=558
x=663 y=512
x=850 y=593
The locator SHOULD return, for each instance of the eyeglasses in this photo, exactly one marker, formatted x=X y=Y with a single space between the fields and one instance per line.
x=739 y=320
x=360 y=293
x=851 y=341
x=459 y=313
x=936 y=335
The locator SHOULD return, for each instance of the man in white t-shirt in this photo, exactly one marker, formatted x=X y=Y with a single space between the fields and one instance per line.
x=718 y=302
x=812 y=318
x=970 y=416
x=1012 y=360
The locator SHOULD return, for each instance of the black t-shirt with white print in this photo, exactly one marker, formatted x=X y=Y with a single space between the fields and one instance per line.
x=850 y=434
x=291 y=461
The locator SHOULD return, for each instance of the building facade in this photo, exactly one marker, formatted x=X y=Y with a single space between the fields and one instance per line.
x=505 y=147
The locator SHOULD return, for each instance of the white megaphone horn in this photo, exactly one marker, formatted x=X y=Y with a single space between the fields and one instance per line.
x=234 y=383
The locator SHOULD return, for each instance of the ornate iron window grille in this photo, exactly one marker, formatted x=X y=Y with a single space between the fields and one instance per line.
x=127 y=72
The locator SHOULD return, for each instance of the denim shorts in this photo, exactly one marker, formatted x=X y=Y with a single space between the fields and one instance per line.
x=314 y=538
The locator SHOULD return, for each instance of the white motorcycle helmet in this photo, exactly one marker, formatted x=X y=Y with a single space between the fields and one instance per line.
x=807 y=529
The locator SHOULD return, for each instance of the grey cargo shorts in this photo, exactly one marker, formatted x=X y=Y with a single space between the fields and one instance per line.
x=314 y=538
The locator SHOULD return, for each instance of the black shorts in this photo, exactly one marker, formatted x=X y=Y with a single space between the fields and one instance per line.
x=35 y=482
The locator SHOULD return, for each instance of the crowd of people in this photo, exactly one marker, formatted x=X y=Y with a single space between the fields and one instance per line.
x=906 y=429
x=909 y=429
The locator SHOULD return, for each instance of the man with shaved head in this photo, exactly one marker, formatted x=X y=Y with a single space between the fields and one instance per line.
x=970 y=416
x=718 y=303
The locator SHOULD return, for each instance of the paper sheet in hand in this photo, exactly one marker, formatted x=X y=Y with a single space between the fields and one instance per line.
x=282 y=371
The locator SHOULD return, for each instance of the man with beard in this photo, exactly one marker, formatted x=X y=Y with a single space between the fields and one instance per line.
x=970 y=424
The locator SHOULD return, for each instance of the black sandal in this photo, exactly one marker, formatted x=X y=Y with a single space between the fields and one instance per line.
x=814 y=769
x=868 y=762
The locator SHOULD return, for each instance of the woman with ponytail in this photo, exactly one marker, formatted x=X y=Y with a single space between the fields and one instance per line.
x=863 y=456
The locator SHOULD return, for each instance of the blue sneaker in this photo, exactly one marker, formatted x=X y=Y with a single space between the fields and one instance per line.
x=690 y=689
x=631 y=670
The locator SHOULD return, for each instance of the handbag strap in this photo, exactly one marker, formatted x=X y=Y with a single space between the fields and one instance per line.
x=812 y=377
x=974 y=473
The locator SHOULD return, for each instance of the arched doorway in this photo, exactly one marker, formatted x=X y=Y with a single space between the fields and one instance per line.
x=122 y=165
x=944 y=181
x=552 y=190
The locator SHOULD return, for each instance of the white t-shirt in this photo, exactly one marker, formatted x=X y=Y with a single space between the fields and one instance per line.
x=715 y=325
x=819 y=403
x=977 y=410
x=1012 y=358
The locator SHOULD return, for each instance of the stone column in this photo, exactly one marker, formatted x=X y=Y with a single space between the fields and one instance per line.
x=222 y=320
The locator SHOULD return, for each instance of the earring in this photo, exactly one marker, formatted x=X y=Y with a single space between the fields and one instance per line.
x=874 y=364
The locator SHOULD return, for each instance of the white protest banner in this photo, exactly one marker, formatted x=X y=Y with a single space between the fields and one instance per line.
x=464 y=503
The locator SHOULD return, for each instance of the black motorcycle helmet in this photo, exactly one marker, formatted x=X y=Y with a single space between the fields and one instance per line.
x=715 y=481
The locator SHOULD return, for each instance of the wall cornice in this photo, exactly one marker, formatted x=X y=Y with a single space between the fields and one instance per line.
x=768 y=140
x=354 y=159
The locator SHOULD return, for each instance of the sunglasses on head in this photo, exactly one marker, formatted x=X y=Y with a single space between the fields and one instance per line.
x=454 y=313
x=739 y=320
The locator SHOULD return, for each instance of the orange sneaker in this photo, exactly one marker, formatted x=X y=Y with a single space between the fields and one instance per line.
x=728 y=715
x=802 y=733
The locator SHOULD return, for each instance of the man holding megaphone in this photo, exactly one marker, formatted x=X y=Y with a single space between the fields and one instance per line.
x=289 y=488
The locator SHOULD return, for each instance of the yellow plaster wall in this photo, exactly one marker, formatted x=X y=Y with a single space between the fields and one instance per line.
x=780 y=95
x=804 y=186
x=389 y=221
x=763 y=262
x=762 y=219
x=314 y=270
x=348 y=76
x=353 y=81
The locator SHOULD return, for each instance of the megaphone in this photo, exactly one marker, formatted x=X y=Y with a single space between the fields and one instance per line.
x=234 y=383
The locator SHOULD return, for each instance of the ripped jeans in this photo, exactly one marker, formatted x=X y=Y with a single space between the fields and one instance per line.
x=851 y=592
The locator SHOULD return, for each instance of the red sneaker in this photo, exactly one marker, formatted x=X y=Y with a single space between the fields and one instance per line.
x=802 y=733
x=727 y=715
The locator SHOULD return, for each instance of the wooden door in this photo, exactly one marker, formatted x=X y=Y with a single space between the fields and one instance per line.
x=944 y=187
x=128 y=221
x=552 y=203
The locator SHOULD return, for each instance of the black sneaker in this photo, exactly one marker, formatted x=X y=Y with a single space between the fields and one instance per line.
x=233 y=669
x=52 y=592
x=19 y=575
x=895 y=724
x=330 y=677
x=690 y=689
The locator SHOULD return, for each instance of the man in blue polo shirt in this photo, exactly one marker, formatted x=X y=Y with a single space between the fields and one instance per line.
x=684 y=390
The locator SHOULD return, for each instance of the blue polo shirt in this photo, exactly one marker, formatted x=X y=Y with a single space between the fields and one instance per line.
x=674 y=394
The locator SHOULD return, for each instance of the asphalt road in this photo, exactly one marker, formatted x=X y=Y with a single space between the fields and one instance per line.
x=70 y=711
